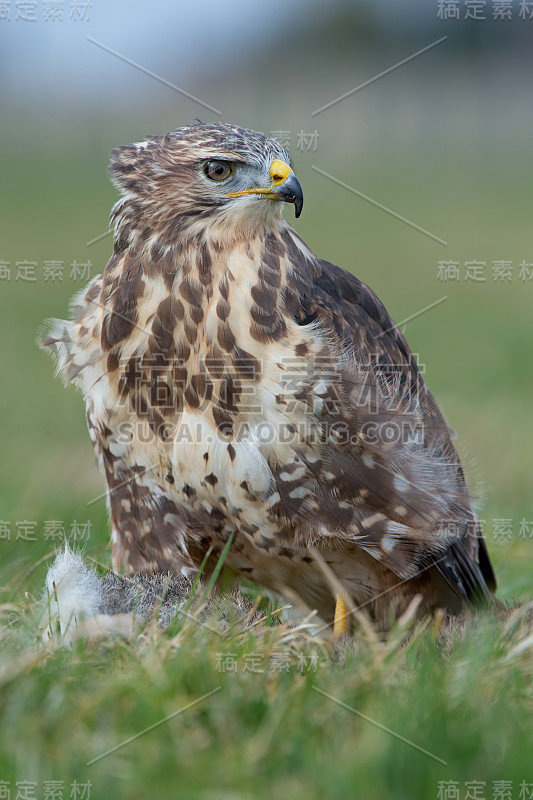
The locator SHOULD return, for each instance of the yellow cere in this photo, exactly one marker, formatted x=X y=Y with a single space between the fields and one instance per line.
x=279 y=172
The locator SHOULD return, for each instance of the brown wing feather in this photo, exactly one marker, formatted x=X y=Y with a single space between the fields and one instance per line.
x=349 y=307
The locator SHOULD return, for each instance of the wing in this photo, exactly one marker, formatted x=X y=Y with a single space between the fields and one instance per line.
x=420 y=512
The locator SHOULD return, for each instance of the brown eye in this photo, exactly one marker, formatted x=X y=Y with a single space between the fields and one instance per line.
x=217 y=170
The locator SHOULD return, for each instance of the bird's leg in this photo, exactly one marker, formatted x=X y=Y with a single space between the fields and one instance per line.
x=341 y=620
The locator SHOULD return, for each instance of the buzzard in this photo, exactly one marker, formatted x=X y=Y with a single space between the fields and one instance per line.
x=244 y=395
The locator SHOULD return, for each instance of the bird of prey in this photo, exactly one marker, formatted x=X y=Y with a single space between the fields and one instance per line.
x=244 y=395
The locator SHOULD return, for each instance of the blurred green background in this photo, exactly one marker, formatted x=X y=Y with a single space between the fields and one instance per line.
x=444 y=141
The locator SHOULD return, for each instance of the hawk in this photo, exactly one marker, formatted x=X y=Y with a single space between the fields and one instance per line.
x=244 y=395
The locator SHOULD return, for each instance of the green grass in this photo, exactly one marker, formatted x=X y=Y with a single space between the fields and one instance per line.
x=271 y=734
x=268 y=729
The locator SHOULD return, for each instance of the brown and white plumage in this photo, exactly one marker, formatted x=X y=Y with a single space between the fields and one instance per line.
x=237 y=384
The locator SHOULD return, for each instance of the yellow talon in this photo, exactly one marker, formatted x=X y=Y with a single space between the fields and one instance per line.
x=341 y=621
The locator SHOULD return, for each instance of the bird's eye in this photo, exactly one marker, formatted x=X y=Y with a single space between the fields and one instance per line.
x=217 y=170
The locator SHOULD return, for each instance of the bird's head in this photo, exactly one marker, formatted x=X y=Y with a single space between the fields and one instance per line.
x=218 y=176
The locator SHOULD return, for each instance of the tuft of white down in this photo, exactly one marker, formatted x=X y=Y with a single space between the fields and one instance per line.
x=73 y=592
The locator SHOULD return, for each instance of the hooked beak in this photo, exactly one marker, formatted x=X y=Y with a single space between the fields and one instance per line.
x=285 y=186
x=290 y=191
